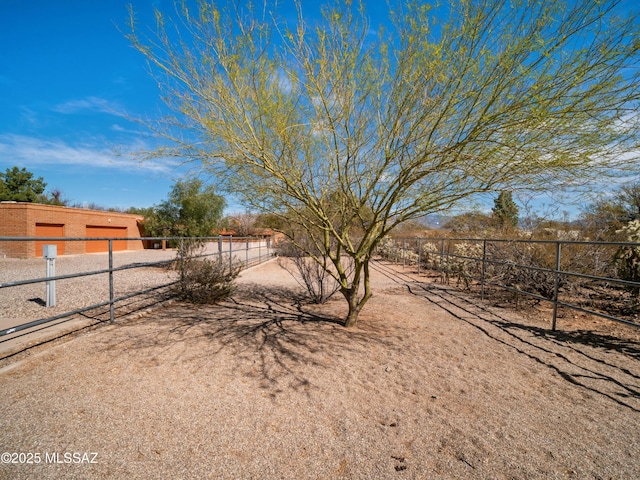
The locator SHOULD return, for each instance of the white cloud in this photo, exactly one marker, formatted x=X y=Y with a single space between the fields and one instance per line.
x=120 y=129
x=27 y=151
x=29 y=116
x=90 y=103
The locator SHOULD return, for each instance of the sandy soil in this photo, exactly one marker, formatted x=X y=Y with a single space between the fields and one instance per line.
x=431 y=384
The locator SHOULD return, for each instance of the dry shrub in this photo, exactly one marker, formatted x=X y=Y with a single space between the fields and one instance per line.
x=512 y=272
x=628 y=257
x=313 y=276
x=581 y=258
x=203 y=280
x=431 y=255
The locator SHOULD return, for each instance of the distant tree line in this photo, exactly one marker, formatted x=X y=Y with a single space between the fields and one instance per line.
x=604 y=219
x=20 y=185
x=194 y=209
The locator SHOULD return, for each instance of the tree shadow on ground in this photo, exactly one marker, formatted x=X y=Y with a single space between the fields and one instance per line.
x=269 y=332
x=580 y=357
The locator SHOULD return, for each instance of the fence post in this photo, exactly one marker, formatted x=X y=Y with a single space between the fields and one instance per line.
x=181 y=255
x=556 y=287
x=419 y=254
x=442 y=275
x=246 y=253
x=404 y=253
x=220 y=250
x=230 y=253
x=484 y=266
x=50 y=252
x=111 y=308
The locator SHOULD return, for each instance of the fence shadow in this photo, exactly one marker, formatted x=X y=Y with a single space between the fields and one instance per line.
x=602 y=364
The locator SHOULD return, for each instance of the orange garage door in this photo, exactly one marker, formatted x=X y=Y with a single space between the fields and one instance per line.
x=105 y=232
x=49 y=230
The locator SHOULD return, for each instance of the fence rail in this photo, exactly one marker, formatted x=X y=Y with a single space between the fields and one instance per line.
x=578 y=275
x=18 y=273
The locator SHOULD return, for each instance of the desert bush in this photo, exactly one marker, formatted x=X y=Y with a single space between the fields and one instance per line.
x=285 y=248
x=203 y=280
x=513 y=256
x=627 y=257
x=387 y=249
x=464 y=269
x=312 y=275
x=452 y=264
x=528 y=266
x=395 y=250
x=409 y=256
x=431 y=255
x=319 y=284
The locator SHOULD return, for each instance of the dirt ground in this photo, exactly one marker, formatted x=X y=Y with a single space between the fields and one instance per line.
x=431 y=384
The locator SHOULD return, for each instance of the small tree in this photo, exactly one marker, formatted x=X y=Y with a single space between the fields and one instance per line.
x=345 y=135
x=56 y=197
x=629 y=199
x=144 y=211
x=192 y=210
x=242 y=224
x=505 y=210
x=19 y=185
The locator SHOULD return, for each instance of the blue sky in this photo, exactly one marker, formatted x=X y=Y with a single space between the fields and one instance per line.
x=68 y=79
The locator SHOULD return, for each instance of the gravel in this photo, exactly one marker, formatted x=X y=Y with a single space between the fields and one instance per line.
x=25 y=303
x=430 y=384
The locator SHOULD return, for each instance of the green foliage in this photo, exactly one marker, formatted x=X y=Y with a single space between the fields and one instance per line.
x=344 y=135
x=192 y=210
x=505 y=210
x=19 y=185
x=144 y=211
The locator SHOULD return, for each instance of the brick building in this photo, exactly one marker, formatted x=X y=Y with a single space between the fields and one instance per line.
x=18 y=219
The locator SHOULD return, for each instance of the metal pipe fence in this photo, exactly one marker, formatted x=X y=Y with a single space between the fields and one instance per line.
x=239 y=252
x=580 y=275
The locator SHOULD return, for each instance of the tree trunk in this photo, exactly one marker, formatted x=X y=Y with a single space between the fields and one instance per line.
x=354 y=307
x=352 y=294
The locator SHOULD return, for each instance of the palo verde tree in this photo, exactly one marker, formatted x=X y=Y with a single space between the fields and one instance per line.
x=344 y=132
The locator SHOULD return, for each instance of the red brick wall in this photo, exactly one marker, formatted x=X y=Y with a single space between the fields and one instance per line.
x=20 y=219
